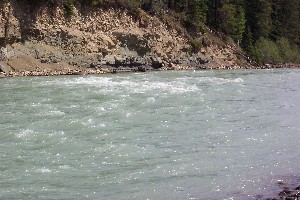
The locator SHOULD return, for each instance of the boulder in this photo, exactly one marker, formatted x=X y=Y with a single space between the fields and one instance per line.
x=3 y=54
x=133 y=42
x=3 y=68
x=156 y=62
x=106 y=41
x=109 y=60
x=120 y=60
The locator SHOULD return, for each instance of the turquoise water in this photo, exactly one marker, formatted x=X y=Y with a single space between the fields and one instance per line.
x=159 y=135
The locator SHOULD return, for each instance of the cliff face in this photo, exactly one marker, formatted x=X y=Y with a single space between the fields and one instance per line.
x=99 y=38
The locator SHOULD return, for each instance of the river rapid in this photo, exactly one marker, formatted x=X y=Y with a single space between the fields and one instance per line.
x=158 y=135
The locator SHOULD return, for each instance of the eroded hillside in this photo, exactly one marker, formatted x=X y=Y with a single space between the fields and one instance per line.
x=43 y=37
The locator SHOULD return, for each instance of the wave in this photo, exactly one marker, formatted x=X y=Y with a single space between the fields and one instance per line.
x=129 y=84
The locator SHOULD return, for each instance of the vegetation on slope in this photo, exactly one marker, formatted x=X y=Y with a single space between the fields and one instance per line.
x=267 y=30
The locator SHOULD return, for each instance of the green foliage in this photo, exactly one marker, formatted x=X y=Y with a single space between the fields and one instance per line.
x=232 y=21
x=267 y=51
x=196 y=45
x=197 y=14
x=98 y=2
x=247 y=42
x=264 y=20
x=240 y=21
x=4 y=1
x=288 y=53
x=69 y=8
x=133 y=6
x=95 y=2
x=192 y=13
x=286 y=20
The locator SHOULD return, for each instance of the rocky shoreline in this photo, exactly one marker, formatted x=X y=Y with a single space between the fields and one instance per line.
x=288 y=194
x=121 y=69
x=42 y=41
x=288 y=191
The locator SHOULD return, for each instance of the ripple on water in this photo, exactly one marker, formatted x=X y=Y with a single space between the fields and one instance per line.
x=169 y=135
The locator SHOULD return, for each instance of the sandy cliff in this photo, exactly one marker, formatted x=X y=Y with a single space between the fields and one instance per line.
x=43 y=38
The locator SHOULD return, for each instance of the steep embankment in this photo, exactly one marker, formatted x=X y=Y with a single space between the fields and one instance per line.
x=43 y=40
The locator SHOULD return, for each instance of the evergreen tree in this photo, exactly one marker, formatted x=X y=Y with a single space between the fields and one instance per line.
x=197 y=15
x=247 y=42
x=232 y=20
x=291 y=17
x=213 y=14
x=263 y=19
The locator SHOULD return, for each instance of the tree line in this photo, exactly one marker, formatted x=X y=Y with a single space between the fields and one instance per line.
x=267 y=30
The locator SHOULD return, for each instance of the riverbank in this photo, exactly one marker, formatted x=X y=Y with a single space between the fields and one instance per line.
x=289 y=193
x=64 y=69
x=287 y=188
x=42 y=40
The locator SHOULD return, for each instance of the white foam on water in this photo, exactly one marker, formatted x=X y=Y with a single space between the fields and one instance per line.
x=130 y=85
x=151 y=99
x=56 y=134
x=174 y=87
x=65 y=167
x=25 y=133
x=89 y=122
x=238 y=80
x=218 y=80
x=55 y=113
x=43 y=170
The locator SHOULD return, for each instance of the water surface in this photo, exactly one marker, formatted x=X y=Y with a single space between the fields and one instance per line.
x=160 y=135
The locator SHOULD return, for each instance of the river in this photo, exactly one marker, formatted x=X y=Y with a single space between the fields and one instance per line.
x=158 y=135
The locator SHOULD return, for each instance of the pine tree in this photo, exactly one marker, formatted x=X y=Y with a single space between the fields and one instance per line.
x=213 y=18
x=263 y=19
x=232 y=20
x=247 y=42
x=197 y=15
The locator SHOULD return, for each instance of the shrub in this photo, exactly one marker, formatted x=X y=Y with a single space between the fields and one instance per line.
x=266 y=51
x=288 y=53
x=69 y=8
x=196 y=45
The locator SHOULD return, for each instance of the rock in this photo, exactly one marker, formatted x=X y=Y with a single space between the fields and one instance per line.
x=172 y=66
x=206 y=42
x=106 y=70
x=106 y=41
x=3 y=69
x=79 y=73
x=141 y=69
x=119 y=60
x=289 y=198
x=104 y=51
x=109 y=60
x=3 y=54
x=92 y=47
x=156 y=62
x=133 y=42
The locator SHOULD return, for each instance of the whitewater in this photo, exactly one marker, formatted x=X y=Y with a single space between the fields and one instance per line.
x=157 y=135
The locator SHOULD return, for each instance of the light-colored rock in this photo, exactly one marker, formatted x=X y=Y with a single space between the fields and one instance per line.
x=100 y=37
